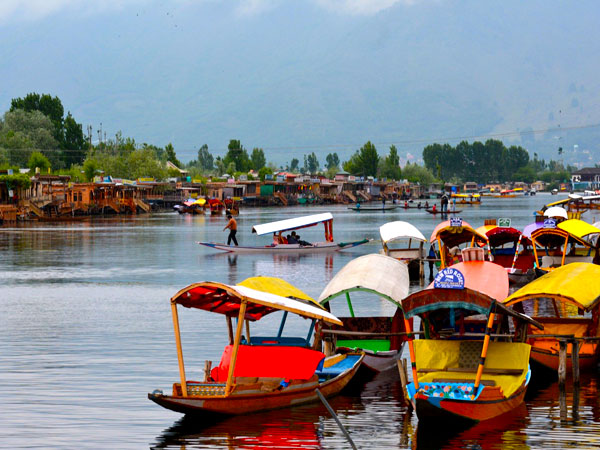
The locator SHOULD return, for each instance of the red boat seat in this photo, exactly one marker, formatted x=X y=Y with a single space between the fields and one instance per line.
x=269 y=361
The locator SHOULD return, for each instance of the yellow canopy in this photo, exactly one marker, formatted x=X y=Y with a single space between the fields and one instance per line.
x=200 y=201
x=574 y=283
x=578 y=228
x=558 y=203
x=277 y=286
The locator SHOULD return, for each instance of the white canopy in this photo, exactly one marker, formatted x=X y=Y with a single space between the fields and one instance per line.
x=291 y=224
x=556 y=211
x=392 y=231
x=376 y=273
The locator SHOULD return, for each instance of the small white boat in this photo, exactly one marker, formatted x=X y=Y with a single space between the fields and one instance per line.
x=277 y=228
x=406 y=234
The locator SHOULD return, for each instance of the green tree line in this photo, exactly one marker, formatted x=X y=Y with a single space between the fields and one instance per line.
x=36 y=133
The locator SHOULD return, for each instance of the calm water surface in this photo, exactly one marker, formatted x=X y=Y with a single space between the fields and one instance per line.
x=86 y=332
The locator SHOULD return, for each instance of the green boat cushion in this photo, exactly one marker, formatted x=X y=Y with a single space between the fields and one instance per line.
x=375 y=345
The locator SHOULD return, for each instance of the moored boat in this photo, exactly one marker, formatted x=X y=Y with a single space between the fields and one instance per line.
x=256 y=373
x=374 y=208
x=450 y=234
x=282 y=245
x=439 y=211
x=462 y=371
x=567 y=302
x=399 y=232
x=380 y=337
x=556 y=244
x=510 y=249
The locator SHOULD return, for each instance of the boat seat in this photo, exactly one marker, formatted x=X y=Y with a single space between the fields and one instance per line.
x=277 y=361
x=340 y=364
x=486 y=371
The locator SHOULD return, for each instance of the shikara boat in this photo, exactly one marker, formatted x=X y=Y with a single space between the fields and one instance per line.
x=453 y=233
x=398 y=238
x=374 y=208
x=280 y=246
x=439 y=211
x=379 y=337
x=256 y=373
x=510 y=249
x=556 y=244
x=567 y=302
x=466 y=199
x=465 y=366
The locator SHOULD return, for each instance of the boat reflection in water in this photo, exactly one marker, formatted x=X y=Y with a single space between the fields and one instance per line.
x=305 y=427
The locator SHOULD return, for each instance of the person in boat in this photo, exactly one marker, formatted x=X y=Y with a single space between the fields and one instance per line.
x=298 y=240
x=431 y=256
x=357 y=205
x=444 y=202
x=291 y=238
x=434 y=208
x=419 y=205
x=232 y=225
x=405 y=204
x=426 y=204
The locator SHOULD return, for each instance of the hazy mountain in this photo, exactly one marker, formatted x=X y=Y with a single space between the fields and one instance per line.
x=297 y=77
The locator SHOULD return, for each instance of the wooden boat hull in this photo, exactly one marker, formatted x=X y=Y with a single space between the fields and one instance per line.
x=518 y=277
x=549 y=360
x=381 y=361
x=250 y=399
x=435 y=409
x=374 y=209
x=318 y=247
x=439 y=211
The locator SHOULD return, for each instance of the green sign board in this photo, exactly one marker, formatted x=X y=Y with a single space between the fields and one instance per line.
x=504 y=222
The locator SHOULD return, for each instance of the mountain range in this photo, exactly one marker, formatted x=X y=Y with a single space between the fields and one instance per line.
x=303 y=76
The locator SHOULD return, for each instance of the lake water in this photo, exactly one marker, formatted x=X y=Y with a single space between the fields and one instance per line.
x=86 y=333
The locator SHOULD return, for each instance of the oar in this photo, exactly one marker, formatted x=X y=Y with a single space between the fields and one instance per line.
x=334 y=415
x=516 y=254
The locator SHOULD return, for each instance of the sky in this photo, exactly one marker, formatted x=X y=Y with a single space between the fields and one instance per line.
x=293 y=77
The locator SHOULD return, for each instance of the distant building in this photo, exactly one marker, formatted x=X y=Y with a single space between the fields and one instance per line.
x=586 y=178
x=470 y=186
x=539 y=185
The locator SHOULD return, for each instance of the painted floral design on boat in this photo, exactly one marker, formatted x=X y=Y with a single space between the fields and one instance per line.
x=458 y=391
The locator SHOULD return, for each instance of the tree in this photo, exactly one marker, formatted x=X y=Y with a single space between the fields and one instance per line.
x=171 y=156
x=294 y=165
x=364 y=162
x=264 y=171
x=205 y=159
x=390 y=167
x=418 y=174
x=220 y=165
x=50 y=106
x=90 y=167
x=237 y=155
x=38 y=160
x=21 y=132
x=257 y=159
x=73 y=142
x=333 y=161
x=67 y=133
x=311 y=163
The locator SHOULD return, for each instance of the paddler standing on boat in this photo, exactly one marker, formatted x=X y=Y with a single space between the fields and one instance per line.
x=232 y=225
